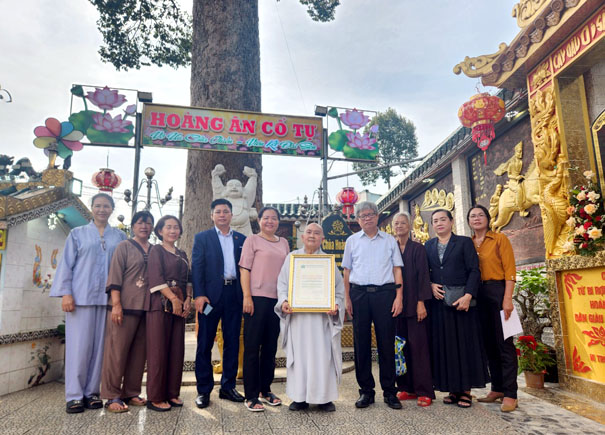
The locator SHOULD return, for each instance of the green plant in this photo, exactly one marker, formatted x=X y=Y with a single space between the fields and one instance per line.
x=534 y=356
x=531 y=296
x=61 y=332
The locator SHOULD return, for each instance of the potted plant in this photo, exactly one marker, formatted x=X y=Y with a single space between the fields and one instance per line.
x=534 y=360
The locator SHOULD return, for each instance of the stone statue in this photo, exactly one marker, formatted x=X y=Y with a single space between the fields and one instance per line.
x=241 y=197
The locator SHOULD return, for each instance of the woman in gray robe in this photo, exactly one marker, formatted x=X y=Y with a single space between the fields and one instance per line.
x=311 y=340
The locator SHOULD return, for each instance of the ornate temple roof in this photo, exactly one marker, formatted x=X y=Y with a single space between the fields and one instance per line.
x=24 y=200
x=544 y=25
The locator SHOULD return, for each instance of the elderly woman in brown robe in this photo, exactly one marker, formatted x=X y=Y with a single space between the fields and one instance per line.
x=169 y=304
x=124 y=355
x=411 y=324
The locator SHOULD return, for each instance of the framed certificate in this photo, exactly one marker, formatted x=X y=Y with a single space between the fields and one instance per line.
x=311 y=286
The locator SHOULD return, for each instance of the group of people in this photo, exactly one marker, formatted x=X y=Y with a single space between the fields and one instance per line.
x=454 y=288
x=126 y=302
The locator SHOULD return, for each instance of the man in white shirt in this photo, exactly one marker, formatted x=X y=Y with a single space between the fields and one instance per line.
x=373 y=294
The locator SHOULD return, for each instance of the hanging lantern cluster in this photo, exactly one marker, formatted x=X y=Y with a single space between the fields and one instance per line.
x=106 y=180
x=480 y=114
x=348 y=198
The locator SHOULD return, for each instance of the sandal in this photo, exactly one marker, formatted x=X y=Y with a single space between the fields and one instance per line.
x=451 y=399
x=270 y=399
x=465 y=400
x=403 y=395
x=424 y=401
x=135 y=401
x=175 y=403
x=93 y=402
x=74 y=406
x=251 y=405
x=122 y=406
x=151 y=406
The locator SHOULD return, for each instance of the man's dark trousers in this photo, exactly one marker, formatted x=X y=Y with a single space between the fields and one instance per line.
x=229 y=311
x=374 y=307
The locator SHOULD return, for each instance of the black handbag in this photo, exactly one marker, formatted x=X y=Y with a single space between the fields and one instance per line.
x=453 y=293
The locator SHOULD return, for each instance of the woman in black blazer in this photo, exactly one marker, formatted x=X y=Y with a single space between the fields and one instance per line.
x=458 y=358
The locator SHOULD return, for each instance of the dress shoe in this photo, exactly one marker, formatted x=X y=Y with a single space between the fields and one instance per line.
x=491 y=398
x=232 y=395
x=392 y=401
x=505 y=407
x=327 y=407
x=202 y=401
x=298 y=406
x=364 y=400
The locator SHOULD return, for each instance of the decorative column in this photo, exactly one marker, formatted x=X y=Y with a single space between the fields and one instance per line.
x=462 y=195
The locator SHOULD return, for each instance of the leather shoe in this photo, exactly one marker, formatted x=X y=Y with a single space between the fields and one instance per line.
x=203 y=400
x=509 y=407
x=232 y=395
x=327 y=407
x=392 y=401
x=364 y=400
x=298 y=406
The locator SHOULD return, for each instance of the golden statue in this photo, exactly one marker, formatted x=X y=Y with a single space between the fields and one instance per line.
x=553 y=176
x=494 y=203
x=518 y=194
x=420 y=228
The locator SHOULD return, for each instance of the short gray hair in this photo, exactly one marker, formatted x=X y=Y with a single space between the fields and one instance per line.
x=365 y=205
x=405 y=214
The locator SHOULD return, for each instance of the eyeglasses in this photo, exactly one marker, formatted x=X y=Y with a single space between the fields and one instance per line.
x=367 y=216
x=103 y=243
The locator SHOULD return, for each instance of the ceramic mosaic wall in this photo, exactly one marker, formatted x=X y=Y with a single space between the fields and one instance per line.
x=28 y=315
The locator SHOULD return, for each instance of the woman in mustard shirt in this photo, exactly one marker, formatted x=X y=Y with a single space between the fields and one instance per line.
x=498 y=274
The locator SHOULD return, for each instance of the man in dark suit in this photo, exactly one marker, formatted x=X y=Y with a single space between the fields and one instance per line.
x=216 y=284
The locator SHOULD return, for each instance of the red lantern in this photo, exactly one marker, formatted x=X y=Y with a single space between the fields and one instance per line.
x=480 y=114
x=348 y=198
x=106 y=180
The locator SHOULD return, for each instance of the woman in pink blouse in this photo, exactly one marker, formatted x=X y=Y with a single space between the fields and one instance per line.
x=262 y=257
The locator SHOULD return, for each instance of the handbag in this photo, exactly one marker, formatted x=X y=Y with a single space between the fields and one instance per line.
x=400 y=365
x=453 y=293
x=166 y=303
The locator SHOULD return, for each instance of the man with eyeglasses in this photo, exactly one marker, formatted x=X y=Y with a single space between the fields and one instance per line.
x=373 y=294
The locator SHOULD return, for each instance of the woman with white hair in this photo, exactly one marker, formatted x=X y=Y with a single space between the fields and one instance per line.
x=411 y=324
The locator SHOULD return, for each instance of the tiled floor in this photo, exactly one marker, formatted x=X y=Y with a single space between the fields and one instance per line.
x=41 y=411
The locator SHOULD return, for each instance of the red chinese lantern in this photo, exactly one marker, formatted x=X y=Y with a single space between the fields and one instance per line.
x=480 y=114
x=348 y=198
x=106 y=180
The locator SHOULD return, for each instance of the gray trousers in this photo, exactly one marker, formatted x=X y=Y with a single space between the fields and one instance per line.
x=84 y=333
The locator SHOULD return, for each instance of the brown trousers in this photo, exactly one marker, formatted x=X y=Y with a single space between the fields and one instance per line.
x=165 y=355
x=123 y=357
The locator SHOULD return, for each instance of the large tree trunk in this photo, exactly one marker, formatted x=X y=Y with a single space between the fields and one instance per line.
x=225 y=73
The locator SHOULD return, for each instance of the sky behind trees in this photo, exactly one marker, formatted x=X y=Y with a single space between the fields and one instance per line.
x=374 y=55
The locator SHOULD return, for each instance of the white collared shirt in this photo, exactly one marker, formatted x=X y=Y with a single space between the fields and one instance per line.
x=226 y=241
x=371 y=260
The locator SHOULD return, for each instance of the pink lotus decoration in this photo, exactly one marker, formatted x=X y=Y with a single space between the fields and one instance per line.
x=111 y=125
x=361 y=142
x=354 y=119
x=106 y=98
x=61 y=135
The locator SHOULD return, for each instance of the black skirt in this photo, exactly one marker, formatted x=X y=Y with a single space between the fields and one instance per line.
x=458 y=358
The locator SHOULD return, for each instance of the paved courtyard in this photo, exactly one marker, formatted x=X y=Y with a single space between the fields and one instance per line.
x=40 y=410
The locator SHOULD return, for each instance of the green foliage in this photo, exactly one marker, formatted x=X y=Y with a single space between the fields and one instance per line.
x=534 y=356
x=396 y=141
x=531 y=296
x=144 y=32
x=158 y=32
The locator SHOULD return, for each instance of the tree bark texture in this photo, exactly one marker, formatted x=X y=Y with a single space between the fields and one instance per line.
x=225 y=74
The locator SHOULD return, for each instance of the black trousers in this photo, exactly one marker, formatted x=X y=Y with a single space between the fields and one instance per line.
x=418 y=378
x=501 y=354
x=367 y=308
x=229 y=311
x=261 y=331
